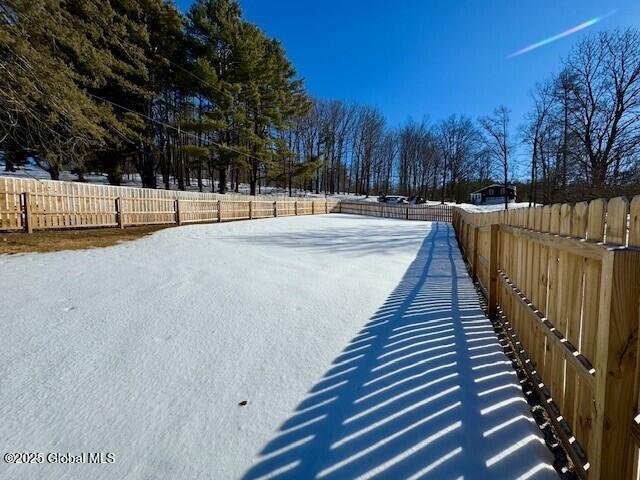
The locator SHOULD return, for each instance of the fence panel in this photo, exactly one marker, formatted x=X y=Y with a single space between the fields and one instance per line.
x=333 y=206
x=11 y=204
x=192 y=210
x=285 y=208
x=263 y=209
x=305 y=207
x=430 y=213
x=234 y=210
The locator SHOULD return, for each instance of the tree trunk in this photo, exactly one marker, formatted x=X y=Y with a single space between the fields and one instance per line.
x=506 y=184
x=254 y=177
x=444 y=182
x=222 y=180
x=54 y=172
x=533 y=174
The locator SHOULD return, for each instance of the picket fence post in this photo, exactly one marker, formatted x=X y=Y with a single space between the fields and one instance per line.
x=493 y=271
x=26 y=207
x=178 y=216
x=119 y=213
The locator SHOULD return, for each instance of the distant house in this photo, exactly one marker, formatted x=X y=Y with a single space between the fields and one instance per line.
x=493 y=195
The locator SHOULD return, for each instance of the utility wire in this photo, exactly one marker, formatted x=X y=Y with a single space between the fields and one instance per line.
x=167 y=125
x=215 y=87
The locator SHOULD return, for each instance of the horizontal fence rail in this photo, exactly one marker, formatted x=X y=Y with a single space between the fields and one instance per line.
x=564 y=283
x=28 y=205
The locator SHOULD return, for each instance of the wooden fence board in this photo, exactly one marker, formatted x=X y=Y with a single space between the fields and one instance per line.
x=634 y=222
x=617 y=210
x=595 y=228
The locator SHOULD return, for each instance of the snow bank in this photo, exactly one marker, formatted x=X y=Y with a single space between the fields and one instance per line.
x=490 y=208
x=146 y=349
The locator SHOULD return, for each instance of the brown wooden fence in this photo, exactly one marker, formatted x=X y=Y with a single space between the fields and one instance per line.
x=430 y=213
x=29 y=205
x=564 y=282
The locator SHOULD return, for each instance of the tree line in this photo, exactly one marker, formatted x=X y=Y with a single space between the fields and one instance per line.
x=581 y=138
x=134 y=84
x=359 y=153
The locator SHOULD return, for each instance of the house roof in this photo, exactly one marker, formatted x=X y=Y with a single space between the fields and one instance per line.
x=493 y=185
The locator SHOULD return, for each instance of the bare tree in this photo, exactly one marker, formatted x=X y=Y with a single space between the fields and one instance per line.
x=533 y=131
x=605 y=107
x=458 y=140
x=498 y=142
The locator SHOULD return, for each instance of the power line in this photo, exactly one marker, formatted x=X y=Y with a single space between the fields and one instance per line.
x=167 y=125
x=215 y=87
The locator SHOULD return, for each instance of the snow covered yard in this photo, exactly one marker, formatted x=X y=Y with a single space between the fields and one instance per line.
x=357 y=342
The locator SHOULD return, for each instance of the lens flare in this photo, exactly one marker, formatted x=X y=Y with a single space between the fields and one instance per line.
x=566 y=33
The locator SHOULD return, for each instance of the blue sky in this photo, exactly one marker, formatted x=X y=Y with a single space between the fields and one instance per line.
x=416 y=58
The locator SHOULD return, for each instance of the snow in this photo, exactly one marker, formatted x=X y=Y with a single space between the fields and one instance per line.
x=491 y=208
x=358 y=343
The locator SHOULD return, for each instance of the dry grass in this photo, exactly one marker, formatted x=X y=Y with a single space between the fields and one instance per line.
x=53 y=241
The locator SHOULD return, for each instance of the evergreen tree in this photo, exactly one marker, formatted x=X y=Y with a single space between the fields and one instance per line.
x=46 y=111
x=213 y=34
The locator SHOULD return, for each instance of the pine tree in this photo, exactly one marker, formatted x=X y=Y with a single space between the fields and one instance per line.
x=46 y=111
x=213 y=35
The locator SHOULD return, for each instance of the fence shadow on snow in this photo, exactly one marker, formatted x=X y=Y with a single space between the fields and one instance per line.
x=424 y=390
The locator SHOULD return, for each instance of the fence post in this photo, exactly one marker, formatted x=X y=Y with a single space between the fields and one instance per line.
x=407 y=213
x=313 y=208
x=474 y=262
x=275 y=208
x=26 y=207
x=295 y=206
x=178 y=216
x=493 y=271
x=615 y=365
x=250 y=209
x=119 y=213
x=326 y=206
x=219 y=211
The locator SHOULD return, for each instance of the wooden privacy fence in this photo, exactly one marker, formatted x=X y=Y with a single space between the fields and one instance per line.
x=430 y=213
x=564 y=282
x=27 y=204
x=40 y=205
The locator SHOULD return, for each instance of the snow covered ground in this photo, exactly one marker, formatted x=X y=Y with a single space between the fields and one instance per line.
x=357 y=342
x=490 y=208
